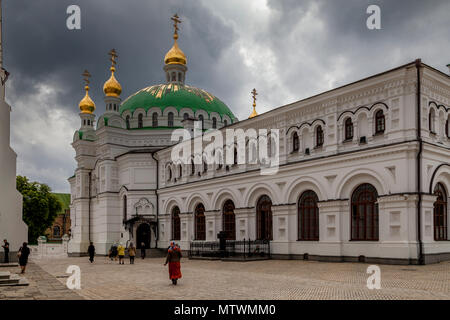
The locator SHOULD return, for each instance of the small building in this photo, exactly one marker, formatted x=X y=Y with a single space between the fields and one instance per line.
x=61 y=225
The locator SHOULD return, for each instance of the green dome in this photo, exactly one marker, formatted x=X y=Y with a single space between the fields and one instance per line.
x=177 y=96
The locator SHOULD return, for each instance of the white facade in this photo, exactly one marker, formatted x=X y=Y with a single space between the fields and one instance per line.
x=138 y=165
x=11 y=225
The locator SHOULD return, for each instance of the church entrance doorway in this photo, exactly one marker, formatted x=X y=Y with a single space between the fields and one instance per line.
x=143 y=235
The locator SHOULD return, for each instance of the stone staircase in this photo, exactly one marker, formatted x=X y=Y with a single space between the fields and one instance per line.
x=12 y=280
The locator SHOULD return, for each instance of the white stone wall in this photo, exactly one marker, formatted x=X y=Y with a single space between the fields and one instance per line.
x=11 y=225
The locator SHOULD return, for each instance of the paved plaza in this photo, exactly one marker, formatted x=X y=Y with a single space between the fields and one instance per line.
x=274 y=279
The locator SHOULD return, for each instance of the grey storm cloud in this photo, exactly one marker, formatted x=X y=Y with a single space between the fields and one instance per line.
x=287 y=49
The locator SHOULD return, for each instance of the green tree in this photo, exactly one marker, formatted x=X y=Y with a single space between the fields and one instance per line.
x=40 y=207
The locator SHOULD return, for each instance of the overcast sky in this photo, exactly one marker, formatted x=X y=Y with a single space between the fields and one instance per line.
x=286 y=49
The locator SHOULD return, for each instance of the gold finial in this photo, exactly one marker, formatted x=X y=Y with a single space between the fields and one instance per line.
x=86 y=104
x=254 y=113
x=176 y=20
x=112 y=87
x=175 y=54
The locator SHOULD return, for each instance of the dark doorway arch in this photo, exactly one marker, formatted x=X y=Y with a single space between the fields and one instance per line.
x=176 y=224
x=308 y=216
x=229 y=220
x=364 y=221
x=143 y=235
x=264 y=219
x=200 y=222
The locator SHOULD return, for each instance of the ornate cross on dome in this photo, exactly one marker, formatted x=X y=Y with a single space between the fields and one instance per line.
x=86 y=76
x=254 y=94
x=176 y=20
x=114 y=56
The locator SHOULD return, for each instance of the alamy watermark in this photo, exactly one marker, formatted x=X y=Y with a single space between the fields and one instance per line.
x=74 y=280
x=374 y=280
x=73 y=22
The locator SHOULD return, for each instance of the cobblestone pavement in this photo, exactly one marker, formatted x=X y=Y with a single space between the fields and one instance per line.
x=274 y=279
x=43 y=286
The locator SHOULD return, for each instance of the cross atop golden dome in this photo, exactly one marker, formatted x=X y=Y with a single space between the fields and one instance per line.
x=112 y=87
x=175 y=54
x=254 y=113
x=86 y=104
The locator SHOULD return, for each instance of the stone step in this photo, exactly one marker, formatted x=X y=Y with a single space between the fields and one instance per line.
x=14 y=280
x=8 y=265
x=5 y=275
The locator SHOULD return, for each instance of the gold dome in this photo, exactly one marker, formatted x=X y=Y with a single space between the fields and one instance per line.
x=112 y=87
x=175 y=54
x=86 y=104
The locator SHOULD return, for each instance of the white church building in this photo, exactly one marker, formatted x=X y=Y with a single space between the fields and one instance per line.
x=363 y=174
x=12 y=227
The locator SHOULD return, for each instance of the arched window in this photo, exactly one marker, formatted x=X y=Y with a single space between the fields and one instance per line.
x=185 y=116
x=180 y=170
x=200 y=222
x=192 y=167
x=169 y=173
x=235 y=156
x=128 y=122
x=364 y=213
x=348 y=129
x=447 y=129
x=140 y=120
x=440 y=214
x=174 y=76
x=56 y=231
x=229 y=220
x=264 y=219
x=200 y=118
x=205 y=165
x=225 y=123
x=154 y=120
x=214 y=123
x=170 y=119
x=380 y=122
x=319 y=136
x=308 y=217
x=431 y=121
x=176 y=224
x=295 y=142
x=125 y=208
x=179 y=76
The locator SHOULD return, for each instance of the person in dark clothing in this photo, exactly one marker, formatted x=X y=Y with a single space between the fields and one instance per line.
x=5 y=247
x=114 y=252
x=173 y=259
x=23 y=254
x=142 y=250
x=91 y=251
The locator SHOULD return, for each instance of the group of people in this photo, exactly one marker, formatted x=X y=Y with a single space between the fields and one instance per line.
x=173 y=257
x=118 y=251
x=22 y=254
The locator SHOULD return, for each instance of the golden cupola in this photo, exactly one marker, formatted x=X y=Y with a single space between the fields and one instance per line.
x=86 y=104
x=175 y=54
x=112 y=87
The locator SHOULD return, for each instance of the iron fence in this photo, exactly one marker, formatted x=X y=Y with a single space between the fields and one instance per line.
x=245 y=249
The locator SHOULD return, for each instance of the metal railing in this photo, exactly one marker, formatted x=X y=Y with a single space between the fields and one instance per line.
x=245 y=249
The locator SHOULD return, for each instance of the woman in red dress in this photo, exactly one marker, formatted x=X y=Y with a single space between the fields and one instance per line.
x=173 y=259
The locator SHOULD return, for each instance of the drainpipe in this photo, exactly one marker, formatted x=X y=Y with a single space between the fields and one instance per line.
x=157 y=199
x=90 y=181
x=419 y=163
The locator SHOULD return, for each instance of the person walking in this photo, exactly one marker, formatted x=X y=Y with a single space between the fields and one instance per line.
x=142 y=250
x=23 y=254
x=121 y=252
x=5 y=247
x=132 y=252
x=114 y=252
x=174 y=259
x=91 y=251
